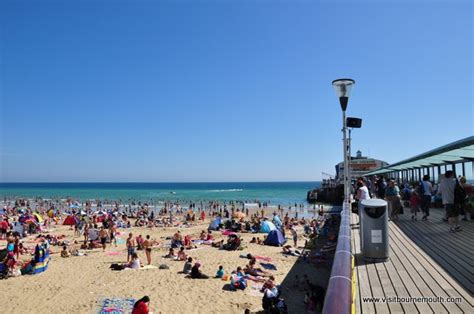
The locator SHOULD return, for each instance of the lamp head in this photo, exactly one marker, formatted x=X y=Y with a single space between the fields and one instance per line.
x=343 y=89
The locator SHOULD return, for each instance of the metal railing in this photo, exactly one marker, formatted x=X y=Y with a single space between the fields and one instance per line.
x=339 y=294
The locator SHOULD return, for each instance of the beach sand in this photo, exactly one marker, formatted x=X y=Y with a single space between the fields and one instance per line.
x=76 y=284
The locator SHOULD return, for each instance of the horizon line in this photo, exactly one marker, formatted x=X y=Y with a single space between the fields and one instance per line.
x=276 y=181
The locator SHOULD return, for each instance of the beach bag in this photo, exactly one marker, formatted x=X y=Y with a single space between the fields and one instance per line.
x=117 y=267
x=164 y=266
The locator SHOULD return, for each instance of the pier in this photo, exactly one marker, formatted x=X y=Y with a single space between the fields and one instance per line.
x=425 y=261
x=430 y=270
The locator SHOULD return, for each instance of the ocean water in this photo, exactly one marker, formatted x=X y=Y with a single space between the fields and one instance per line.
x=284 y=193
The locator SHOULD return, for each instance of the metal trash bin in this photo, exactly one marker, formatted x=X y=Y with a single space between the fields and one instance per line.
x=373 y=216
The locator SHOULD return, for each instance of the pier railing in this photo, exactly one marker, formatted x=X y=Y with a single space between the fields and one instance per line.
x=339 y=291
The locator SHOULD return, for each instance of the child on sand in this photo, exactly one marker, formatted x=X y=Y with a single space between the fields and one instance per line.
x=64 y=252
x=220 y=272
x=188 y=266
x=181 y=254
x=170 y=254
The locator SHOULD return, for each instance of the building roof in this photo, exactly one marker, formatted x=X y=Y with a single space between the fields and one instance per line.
x=455 y=152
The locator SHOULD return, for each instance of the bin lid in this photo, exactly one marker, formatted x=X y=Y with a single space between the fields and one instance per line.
x=373 y=202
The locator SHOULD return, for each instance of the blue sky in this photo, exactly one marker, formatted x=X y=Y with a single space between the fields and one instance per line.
x=225 y=90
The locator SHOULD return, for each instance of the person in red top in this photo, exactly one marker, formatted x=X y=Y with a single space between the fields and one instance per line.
x=3 y=228
x=203 y=215
x=141 y=306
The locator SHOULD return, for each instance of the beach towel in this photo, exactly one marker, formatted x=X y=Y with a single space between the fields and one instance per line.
x=116 y=305
x=263 y=258
x=195 y=249
x=268 y=266
x=228 y=232
x=255 y=290
x=120 y=241
x=148 y=267
x=113 y=253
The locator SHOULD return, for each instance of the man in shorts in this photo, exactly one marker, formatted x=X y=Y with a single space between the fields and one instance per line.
x=130 y=246
x=446 y=190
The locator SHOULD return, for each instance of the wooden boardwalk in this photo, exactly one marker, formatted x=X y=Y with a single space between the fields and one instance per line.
x=425 y=261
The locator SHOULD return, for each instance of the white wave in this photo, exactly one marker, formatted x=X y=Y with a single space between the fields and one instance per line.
x=227 y=190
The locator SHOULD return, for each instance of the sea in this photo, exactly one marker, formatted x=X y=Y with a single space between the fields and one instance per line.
x=275 y=193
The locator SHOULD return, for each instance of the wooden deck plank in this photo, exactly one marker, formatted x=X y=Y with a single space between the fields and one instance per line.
x=388 y=288
x=435 y=231
x=450 y=286
x=364 y=289
x=410 y=283
x=412 y=271
x=438 y=228
x=428 y=286
x=377 y=290
x=453 y=256
x=399 y=287
x=461 y=272
x=443 y=243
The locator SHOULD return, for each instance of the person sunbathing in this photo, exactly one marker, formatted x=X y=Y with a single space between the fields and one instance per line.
x=134 y=263
x=64 y=252
x=287 y=249
x=203 y=235
x=171 y=254
x=254 y=271
x=181 y=255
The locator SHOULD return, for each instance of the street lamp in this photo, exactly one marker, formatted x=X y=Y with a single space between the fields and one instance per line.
x=343 y=89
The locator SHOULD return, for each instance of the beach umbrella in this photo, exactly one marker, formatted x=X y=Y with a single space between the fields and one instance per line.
x=38 y=217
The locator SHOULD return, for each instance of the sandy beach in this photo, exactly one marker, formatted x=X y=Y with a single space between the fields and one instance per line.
x=77 y=284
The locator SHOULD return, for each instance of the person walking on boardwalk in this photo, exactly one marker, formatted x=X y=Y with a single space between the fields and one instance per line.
x=425 y=190
x=469 y=193
x=392 y=196
x=446 y=190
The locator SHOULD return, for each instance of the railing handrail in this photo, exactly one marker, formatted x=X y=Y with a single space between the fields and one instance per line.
x=339 y=291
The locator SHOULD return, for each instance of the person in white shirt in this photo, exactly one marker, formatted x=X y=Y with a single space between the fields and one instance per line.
x=446 y=190
x=362 y=191
x=427 y=189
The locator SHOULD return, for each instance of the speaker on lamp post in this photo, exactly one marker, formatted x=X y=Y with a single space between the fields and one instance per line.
x=354 y=122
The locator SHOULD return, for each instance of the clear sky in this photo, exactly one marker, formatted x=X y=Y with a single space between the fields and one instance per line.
x=225 y=90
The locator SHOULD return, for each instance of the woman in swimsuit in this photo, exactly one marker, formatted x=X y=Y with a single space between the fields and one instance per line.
x=147 y=244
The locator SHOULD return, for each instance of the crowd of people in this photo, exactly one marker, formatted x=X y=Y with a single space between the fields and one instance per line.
x=455 y=194
x=99 y=228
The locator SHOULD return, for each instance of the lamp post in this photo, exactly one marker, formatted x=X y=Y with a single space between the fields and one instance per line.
x=343 y=89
